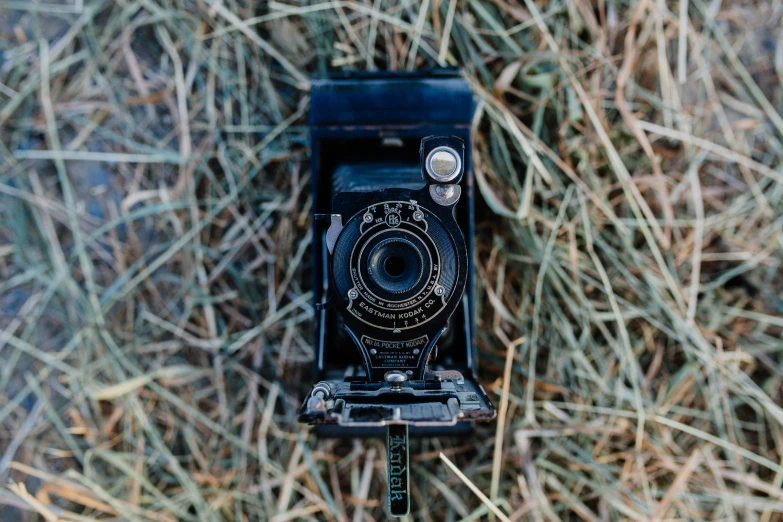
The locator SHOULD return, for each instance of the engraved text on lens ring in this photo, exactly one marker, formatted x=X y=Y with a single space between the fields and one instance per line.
x=407 y=213
x=411 y=312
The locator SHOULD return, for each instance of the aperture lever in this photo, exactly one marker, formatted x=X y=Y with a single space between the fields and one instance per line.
x=397 y=465
x=333 y=232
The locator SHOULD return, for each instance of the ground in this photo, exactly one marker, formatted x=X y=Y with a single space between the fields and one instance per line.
x=155 y=292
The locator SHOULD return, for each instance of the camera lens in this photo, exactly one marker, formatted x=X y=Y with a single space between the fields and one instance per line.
x=397 y=270
x=395 y=265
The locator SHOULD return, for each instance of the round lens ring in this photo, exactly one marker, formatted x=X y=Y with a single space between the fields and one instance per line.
x=395 y=265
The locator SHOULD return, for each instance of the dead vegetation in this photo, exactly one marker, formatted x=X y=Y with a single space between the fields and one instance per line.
x=154 y=277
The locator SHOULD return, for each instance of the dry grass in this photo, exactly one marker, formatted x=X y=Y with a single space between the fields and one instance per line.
x=154 y=278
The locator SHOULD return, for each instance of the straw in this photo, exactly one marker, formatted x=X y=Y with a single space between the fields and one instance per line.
x=155 y=271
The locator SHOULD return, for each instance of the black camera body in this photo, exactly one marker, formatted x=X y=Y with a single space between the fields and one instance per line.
x=398 y=267
x=393 y=261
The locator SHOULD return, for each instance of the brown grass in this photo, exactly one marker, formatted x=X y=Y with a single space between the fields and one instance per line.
x=154 y=262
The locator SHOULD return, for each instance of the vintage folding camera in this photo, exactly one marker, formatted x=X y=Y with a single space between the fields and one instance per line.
x=393 y=262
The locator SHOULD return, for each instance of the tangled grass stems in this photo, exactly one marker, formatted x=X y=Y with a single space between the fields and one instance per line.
x=155 y=290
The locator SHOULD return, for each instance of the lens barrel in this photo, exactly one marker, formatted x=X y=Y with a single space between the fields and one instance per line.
x=395 y=265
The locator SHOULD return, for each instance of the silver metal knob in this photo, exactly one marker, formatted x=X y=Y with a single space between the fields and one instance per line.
x=316 y=403
x=395 y=379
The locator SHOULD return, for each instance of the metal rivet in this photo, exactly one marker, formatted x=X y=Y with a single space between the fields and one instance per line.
x=353 y=294
x=367 y=218
x=439 y=290
x=373 y=351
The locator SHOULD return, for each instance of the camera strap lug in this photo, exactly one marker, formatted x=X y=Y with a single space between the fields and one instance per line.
x=397 y=467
